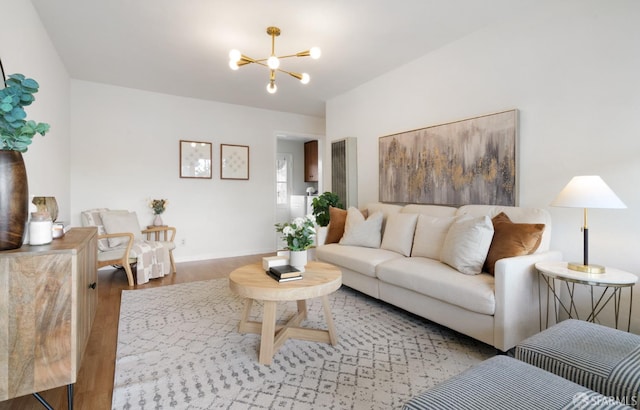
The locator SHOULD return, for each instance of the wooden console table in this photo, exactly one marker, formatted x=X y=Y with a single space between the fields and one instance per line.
x=48 y=299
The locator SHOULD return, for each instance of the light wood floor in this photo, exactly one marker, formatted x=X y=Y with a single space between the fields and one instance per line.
x=94 y=386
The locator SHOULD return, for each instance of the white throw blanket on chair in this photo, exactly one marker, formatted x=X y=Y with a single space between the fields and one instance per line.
x=153 y=260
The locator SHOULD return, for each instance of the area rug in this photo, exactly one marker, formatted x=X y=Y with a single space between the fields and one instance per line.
x=178 y=348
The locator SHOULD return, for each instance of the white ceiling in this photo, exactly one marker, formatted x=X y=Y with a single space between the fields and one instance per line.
x=181 y=47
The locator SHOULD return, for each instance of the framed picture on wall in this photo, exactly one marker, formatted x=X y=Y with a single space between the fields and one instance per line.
x=195 y=159
x=471 y=161
x=234 y=161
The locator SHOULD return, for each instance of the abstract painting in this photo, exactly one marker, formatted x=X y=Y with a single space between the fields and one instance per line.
x=472 y=161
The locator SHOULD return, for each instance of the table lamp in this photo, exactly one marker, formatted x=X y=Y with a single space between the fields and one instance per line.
x=587 y=192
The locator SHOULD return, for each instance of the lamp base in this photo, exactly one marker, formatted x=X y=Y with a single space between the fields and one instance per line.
x=585 y=268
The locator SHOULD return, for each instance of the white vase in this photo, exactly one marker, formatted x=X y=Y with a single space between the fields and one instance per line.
x=157 y=221
x=298 y=259
x=321 y=235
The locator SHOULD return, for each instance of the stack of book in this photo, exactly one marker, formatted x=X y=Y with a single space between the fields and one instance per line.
x=284 y=273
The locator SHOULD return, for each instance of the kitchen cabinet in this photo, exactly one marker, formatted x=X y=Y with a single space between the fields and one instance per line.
x=311 y=161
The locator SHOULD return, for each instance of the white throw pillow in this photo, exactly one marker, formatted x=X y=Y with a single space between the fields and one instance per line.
x=467 y=243
x=362 y=232
x=398 y=233
x=119 y=222
x=430 y=234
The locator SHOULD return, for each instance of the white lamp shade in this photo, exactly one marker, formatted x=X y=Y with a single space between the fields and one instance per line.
x=587 y=192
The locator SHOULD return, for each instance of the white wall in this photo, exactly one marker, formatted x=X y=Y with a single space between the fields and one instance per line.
x=571 y=71
x=25 y=48
x=125 y=150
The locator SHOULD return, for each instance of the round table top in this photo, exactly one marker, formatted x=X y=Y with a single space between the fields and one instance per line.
x=611 y=276
x=318 y=279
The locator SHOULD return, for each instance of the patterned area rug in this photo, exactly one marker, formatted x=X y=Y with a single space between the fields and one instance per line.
x=178 y=348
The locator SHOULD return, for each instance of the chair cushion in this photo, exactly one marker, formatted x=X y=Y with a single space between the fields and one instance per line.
x=119 y=222
x=116 y=254
x=440 y=281
x=91 y=217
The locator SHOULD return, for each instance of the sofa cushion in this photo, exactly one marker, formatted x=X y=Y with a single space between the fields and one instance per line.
x=430 y=234
x=467 y=243
x=398 y=235
x=511 y=239
x=119 y=222
x=362 y=232
x=355 y=258
x=438 y=280
x=337 y=219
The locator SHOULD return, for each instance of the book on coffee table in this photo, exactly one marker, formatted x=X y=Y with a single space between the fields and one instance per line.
x=284 y=271
x=284 y=279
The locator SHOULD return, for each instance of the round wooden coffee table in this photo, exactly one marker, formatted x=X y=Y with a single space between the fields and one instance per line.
x=253 y=283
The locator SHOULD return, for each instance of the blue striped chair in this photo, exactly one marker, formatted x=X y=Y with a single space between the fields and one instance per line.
x=600 y=358
x=504 y=383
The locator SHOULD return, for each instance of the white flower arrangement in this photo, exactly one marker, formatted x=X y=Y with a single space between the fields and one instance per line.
x=298 y=233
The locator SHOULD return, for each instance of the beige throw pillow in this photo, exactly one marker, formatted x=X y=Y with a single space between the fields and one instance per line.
x=467 y=243
x=398 y=233
x=362 y=232
x=119 y=222
x=430 y=234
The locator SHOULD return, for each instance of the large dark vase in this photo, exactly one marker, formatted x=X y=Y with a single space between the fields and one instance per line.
x=14 y=200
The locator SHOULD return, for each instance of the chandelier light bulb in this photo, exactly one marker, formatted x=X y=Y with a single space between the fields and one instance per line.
x=305 y=78
x=235 y=56
x=315 y=53
x=233 y=65
x=272 y=88
x=273 y=62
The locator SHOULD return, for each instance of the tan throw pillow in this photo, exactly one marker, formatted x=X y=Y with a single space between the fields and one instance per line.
x=362 y=232
x=119 y=222
x=337 y=218
x=511 y=239
x=430 y=234
x=398 y=234
x=467 y=243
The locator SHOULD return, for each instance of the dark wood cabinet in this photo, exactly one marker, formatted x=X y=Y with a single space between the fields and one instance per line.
x=311 y=161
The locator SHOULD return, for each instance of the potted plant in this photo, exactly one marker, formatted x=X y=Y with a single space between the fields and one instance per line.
x=321 y=205
x=16 y=133
x=299 y=235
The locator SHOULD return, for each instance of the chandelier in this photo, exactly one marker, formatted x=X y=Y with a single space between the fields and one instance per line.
x=237 y=60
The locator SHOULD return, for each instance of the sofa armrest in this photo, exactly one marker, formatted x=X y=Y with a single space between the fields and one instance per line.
x=517 y=314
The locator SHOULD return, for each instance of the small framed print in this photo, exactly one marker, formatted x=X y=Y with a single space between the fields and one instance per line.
x=234 y=161
x=195 y=159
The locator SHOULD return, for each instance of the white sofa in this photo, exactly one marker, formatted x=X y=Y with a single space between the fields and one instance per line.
x=500 y=309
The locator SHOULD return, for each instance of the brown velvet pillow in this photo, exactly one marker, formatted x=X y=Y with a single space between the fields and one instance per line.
x=511 y=239
x=337 y=218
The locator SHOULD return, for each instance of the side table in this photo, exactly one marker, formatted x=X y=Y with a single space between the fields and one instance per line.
x=613 y=281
